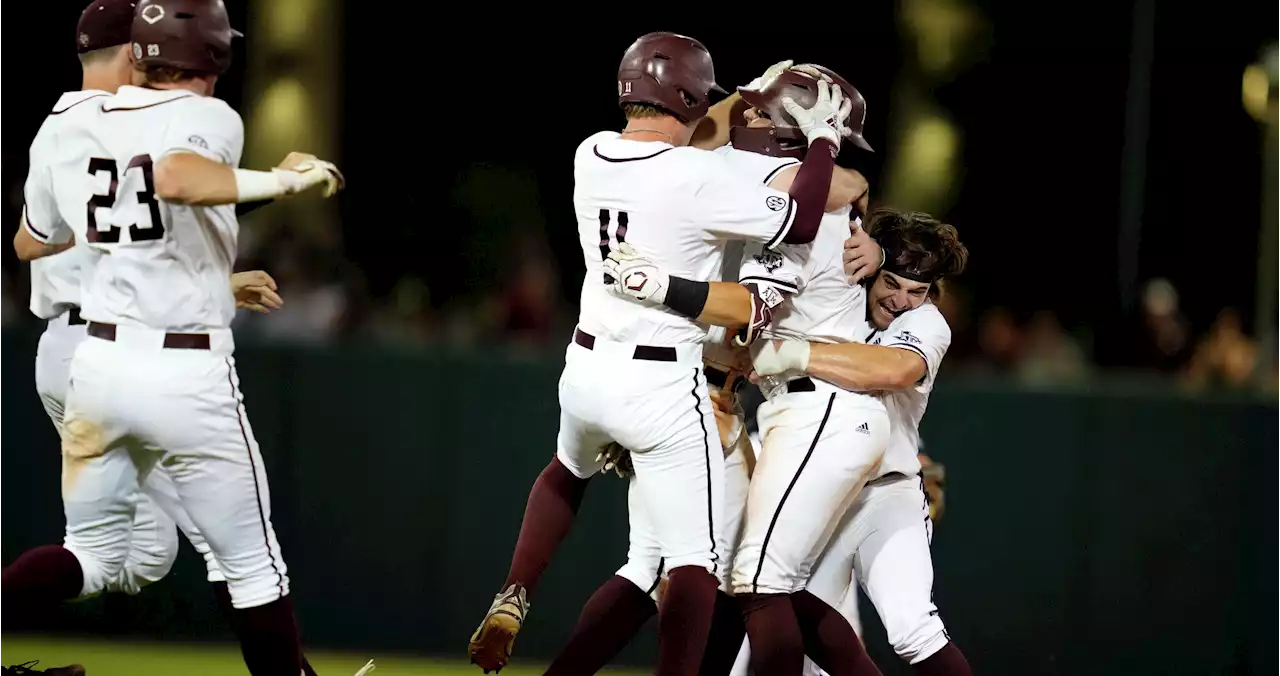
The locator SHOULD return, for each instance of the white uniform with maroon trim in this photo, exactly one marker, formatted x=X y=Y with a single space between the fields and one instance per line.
x=820 y=443
x=633 y=373
x=55 y=197
x=883 y=541
x=155 y=384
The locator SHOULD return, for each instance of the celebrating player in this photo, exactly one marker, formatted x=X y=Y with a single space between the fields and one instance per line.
x=157 y=384
x=820 y=441
x=882 y=542
x=633 y=374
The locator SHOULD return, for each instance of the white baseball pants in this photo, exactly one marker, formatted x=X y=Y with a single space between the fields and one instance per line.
x=883 y=545
x=659 y=410
x=135 y=407
x=645 y=566
x=819 y=448
x=153 y=542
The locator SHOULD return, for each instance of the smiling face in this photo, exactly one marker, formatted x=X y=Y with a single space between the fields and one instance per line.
x=892 y=295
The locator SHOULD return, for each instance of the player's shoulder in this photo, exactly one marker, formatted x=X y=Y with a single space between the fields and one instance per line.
x=177 y=102
x=588 y=145
x=72 y=109
x=926 y=320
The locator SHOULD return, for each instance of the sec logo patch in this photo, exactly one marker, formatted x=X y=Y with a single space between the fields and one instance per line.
x=774 y=203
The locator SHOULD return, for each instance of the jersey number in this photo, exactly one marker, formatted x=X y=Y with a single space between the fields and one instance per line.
x=145 y=196
x=619 y=233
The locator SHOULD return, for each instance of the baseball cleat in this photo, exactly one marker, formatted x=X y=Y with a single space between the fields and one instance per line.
x=26 y=669
x=492 y=642
x=368 y=667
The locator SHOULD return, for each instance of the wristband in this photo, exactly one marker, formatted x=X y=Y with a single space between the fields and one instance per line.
x=252 y=186
x=686 y=296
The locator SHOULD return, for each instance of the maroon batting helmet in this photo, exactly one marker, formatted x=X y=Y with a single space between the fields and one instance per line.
x=190 y=35
x=670 y=71
x=104 y=23
x=784 y=138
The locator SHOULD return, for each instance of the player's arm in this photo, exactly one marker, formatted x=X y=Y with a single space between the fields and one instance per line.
x=189 y=178
x=28 y=248
x=859 y=367
x=848 y=186
x=41 y=230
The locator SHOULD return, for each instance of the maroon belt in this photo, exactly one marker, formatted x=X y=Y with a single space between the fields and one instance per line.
x=645 y=352
x=172 y=341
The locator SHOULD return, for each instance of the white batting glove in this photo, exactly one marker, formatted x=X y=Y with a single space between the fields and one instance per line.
x=627 y=273
x=773 y=357
x=310 y=174
x=826 y=118
x=769 y=75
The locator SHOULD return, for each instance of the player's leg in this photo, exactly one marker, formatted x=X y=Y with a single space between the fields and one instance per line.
x=818 y=451
x=215 y=463
x=679 y=465
x=896 y=570
x=99 y=484
x=724 y=642
x=832 y=579
x=620 y=607
x=549 y=514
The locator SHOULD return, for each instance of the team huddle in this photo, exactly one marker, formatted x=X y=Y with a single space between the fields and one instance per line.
x=749 y=554
x=722 y=245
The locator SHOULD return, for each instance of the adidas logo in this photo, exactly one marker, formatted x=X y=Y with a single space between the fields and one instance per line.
x=864 y=429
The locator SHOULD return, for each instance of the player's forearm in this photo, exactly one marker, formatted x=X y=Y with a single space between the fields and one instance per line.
x=728 y=305
x=859 y=367
x=809 y=190
x=713 y=130
x=847 y=186
x=28 y=248
x=194 y=180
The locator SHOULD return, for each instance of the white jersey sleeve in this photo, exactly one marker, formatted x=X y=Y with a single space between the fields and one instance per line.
x=763 y=168
x=208 y=127
x=925 y=332
x=41 y=215
x=781 y=268
x=735 y=207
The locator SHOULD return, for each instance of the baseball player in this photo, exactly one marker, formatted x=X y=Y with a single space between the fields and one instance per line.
x=633 y=374
x=155 y=382
x=883 y=540
x=821 y=442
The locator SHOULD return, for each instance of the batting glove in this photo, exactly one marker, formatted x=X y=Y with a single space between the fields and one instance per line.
x=826 y=118
x=311 y=174
x=773 y=357
x=627 y=273
x=769 y=75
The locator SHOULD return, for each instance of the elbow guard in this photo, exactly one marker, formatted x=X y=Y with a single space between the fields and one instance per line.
x=763 y=301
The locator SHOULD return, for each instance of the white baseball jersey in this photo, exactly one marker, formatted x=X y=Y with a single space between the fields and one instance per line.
x=168 y=264
x=679 y=207
x=55 y=196
x=824 y=307
x=924 y=331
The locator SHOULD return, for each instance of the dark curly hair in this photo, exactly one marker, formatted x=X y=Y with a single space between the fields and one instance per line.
x=918 y=246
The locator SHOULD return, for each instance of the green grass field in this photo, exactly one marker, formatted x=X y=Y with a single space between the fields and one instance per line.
x=102 y=658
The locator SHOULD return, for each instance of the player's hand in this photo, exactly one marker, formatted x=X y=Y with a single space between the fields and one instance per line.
x=769 y=75
x=728 y=422
x=934 y=485
x=845 y=130
x=827 y=116
x=616 y=459
x=255 y=290
x=773 y=357
x=302 y=171
x=627 y=273
x=863 y=256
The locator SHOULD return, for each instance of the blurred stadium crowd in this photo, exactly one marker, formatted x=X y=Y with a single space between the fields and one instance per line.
x=327 y=301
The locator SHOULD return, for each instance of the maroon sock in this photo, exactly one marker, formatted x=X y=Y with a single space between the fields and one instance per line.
x=946 y=662
x=684 y=620
x=228 y=611
x=269 y=639
x=777 y=646
x=725 y=640
x=610 y=619
x=42 y=577
x=829 y=639
x=548 y=516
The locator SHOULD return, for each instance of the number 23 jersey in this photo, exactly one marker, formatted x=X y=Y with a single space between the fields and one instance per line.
x=159 y=265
